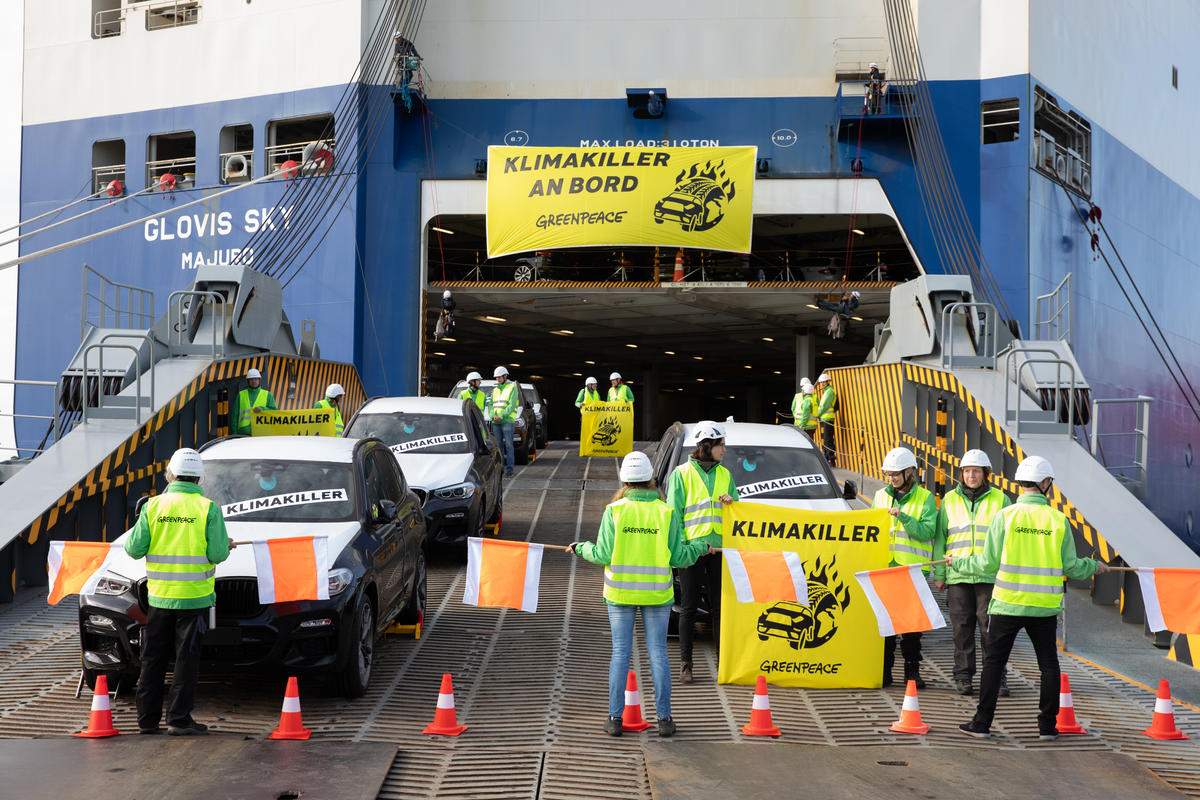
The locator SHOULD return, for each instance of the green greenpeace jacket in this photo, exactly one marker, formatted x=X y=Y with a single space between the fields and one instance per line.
x=217 y=550
x=919 y=528
x=337 y=415
x=618 y=393
x=986 y=564
x=585 y=396
x=503 y=402
x=677 y=495
x=826 y=410
x=478 y=397
x=940 y=537
x=682 y=552
x=246 y=405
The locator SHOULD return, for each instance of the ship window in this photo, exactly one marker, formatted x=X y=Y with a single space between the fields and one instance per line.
x=1062 y=143
x=174 y=154
x=108 y=163
x=108 y=19
x=1001 y=120
x=172 y=14
x=237 y=153
x=291 y=139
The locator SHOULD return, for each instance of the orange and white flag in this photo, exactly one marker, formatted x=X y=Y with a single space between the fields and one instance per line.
x=901 y=600
x=503 y=574
x=1171 y=598
x=767 y=576
x=76 y=567
x=293 y=568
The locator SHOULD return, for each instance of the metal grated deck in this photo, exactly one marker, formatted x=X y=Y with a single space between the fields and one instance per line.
x=533 y=688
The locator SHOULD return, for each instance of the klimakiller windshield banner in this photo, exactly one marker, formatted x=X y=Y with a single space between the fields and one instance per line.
x=544 y=198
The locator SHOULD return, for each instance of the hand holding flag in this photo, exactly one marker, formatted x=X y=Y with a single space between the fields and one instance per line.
x=901 y=600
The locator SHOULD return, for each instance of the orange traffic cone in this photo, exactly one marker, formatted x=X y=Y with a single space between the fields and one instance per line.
x=100 y=722
x=631 y=717
x=910 y=713
x=444 y=722
x=1066 y=709
x=1163 y=724
x=760 y=712
x=678 y=276
x=290 y=725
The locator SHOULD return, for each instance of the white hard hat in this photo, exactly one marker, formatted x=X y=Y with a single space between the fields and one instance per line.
x=805 y=381
x=823 y=377
x=976 y=458
x=253 y=373
x=446 y=294
x=616 y=376
x=496 y=373
x=808 y=388
x=474 y=376
x=706 y=429
x=589 y=380
x=1034 y=469
x=186 y=463
x=872 y=64
x=636 y=468
x=899 y=458
x=855 y=295
x=334 y=390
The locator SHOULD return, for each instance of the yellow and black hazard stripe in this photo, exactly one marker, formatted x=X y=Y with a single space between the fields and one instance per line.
x=1185 y=648
x=296 y=383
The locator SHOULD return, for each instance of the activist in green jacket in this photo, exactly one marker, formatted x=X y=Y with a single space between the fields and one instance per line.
x=206 y=538
x=248 y=401
x=476 y=396
x=503 y=405
x=333 y=399
x=619 y=391
x=973 y=509
x=588 y=394
x=1029 y=550
x=804 y=409
x=640 y=539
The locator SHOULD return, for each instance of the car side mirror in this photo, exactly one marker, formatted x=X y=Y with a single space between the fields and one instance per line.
x=849 y=490
x=384 y=511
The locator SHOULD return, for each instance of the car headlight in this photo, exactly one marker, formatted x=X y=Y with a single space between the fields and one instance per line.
x=339 y=579
x=459 y=491
x=520 y=423
x=113 y=584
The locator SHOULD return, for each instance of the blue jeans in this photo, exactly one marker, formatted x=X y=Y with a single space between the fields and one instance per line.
x=654 y=626
x=503 y=431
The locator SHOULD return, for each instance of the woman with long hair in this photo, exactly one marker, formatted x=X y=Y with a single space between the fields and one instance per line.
x=640 y=539
x=699 y=491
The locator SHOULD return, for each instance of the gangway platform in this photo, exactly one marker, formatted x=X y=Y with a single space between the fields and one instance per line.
x=533 y=687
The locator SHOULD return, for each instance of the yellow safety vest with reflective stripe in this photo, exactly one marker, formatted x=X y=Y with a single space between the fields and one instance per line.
x=246 y=406
x=640 y=572
x=829 y=403
x=478 y=397
x=177 y=565
x=586 y=396
x=501 y=397
x=337 y=414
x=1031 y=568
x=965 y=534
x=902 y=549
x=703 y=513
x=619 y=393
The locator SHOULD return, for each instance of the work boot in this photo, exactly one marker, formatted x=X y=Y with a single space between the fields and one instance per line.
x=194 y=729
x=685 y=672
x=666 y=727
x=1004 y=691
x=912 y=672
x=971 y=729
x=963 y=687
x=612 y=726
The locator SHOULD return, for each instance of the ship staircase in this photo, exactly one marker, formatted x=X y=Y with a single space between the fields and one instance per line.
x=947 y=375
x=138 y=388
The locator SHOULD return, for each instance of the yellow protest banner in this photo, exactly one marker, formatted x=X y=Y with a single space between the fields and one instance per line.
x=547 y=197
x=302 y=422
x=834 y=640
x=606 y=429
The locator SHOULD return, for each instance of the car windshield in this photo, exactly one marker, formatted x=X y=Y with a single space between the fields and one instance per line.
x=777 y=473
x=412 y=433
x=265 y=490
x=531 y=393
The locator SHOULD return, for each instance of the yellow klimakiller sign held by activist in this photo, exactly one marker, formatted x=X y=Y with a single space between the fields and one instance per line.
x=832 y=641
x=548 y=197
x=606 y=429
x=302 y=422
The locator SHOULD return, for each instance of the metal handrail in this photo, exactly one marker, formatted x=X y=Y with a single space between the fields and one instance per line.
x=137 y=401
x=277 y=154
x=1015 y=379
x=989 y=336
x=1054 y=323
x=185 y=167
x=105 y=16
x=54 y=418
x=178 y=325
x=895 y=97
x=1141 y=432
x=145 y=318
x=224 y=159
x=102 y=175
x=172 y=14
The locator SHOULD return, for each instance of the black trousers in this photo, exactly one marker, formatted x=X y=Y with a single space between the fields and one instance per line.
x=968 y=604
x=827 y=442
x=170 y=633
x=1002 y=632
x=705 y=572
x=910 y=648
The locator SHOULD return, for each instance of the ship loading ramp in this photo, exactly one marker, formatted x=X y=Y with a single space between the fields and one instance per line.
x=131 y=396
x=946 y=376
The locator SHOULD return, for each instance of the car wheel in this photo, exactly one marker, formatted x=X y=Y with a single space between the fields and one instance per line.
x=498 y=511
x=355 y=677
x=481 y=519
x=522 y=456
x=523 y=274
x=415 y=608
